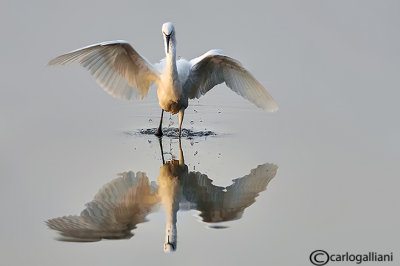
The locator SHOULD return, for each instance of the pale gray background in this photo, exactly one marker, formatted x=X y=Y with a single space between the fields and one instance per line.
x=332 y=66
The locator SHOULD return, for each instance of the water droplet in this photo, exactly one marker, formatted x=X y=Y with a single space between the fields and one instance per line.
x=196 y=153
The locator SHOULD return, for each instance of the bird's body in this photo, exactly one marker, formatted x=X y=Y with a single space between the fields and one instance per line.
x=171 y=96
x=125 y=74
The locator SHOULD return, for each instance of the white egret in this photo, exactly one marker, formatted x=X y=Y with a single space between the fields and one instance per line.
x=125 y=74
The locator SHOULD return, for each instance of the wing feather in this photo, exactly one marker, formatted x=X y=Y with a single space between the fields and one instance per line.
x=116 y=67
x=113 y=213
x=214 y=68
x=218 y=204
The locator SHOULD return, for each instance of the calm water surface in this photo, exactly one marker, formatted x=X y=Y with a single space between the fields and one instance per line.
x=127 y=200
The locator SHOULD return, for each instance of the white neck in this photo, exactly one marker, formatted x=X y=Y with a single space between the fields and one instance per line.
x=169 y=191
x=171 y=69
x=170 y=230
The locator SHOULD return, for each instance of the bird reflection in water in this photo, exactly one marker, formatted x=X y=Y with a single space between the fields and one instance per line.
x=126 y=201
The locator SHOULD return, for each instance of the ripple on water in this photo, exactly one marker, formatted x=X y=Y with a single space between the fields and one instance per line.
x=174 y=132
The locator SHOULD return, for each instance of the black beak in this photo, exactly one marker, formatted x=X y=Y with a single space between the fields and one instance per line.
x=168 y=37
x=171 y=244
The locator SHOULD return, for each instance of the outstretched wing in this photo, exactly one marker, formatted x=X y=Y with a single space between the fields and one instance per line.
x=214 y=68
x=116 y=67
x=219 y=204
x=115 y=210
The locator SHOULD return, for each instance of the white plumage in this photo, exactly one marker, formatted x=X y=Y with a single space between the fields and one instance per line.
x=127 y=75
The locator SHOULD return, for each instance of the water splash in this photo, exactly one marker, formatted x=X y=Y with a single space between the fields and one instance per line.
x=174 y=132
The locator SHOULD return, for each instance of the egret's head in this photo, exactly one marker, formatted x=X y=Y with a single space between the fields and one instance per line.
x=170 y=239
x=169 y=246
x=168 y=31
x=168 y=28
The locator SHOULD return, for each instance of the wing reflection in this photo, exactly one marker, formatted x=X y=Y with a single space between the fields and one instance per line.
x=126 y=201
x=114 y=212
x=219 y=204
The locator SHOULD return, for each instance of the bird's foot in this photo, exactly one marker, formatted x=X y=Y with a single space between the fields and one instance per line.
x=159 y=132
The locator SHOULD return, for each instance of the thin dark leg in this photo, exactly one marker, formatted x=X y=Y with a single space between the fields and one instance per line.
x=162 y=152
x=181 y=114
x=181 y=159
x=159 y=130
